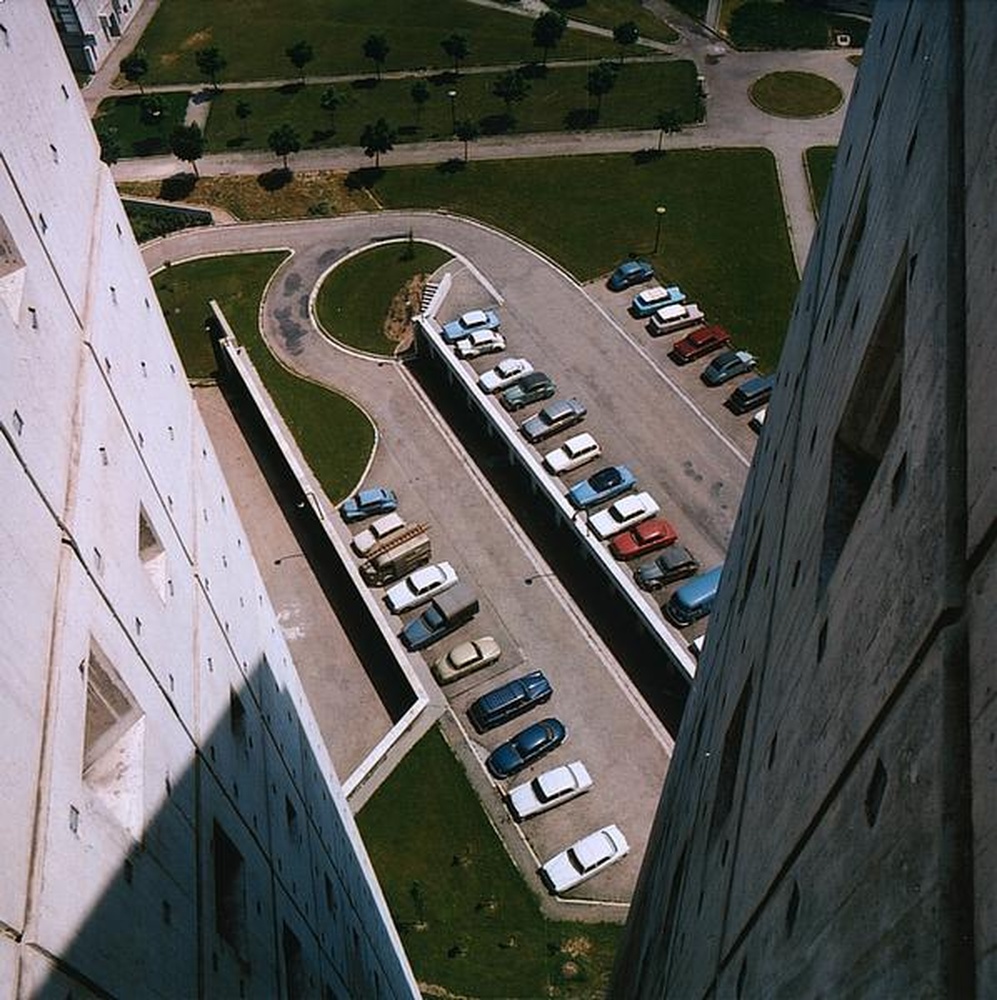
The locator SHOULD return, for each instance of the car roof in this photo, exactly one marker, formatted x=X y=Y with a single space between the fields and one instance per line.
x=632 y=504
x=580 y=442
x=534 y=379
x=474 y=316
x=594 y=848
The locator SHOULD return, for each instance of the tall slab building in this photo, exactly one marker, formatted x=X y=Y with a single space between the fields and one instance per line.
x=829 y=823
x=171 y=822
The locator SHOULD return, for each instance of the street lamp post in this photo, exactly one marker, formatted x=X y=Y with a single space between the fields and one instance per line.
x=660 y=211
x=452 y=94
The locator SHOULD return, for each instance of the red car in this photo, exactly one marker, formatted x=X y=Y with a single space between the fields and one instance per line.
x=644 y=537
x=700 y=342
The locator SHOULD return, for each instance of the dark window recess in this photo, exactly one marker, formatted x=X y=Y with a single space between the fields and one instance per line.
x=792 y=909
x=852 y=246
x=237 y=717
x=899 y=482
x=867 y=426
x=230 y=891
x=730 y=760
x=749 y=576
x=294 y=966
x=874 y=793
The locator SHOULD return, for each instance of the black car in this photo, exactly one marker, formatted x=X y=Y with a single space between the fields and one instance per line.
x=511 y=699
x=674 y=563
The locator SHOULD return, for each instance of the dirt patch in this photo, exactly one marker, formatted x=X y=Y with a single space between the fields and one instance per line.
x=398 y=326
x=577 y=947
x=198 y=40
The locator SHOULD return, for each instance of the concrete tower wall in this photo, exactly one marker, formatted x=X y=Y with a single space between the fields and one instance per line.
x=172 y=822
x=832 y=790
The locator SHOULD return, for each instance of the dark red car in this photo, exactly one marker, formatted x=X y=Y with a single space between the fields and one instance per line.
x=700 y=342
x=644 y=537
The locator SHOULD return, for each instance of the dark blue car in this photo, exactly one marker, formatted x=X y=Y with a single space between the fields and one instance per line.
x=606 y=484
x=630 y=272
x=367 y=503
x=526 y=747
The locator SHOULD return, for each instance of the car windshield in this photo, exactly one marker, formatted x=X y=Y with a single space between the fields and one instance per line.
x=433 y=618
x=509 y=367
x=605 y=478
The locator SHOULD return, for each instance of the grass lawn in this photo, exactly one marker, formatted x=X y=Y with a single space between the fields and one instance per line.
x=150 y=221
x=138 y=138
x=252 y=35
x=819 y=162
x=468 y=921
x=610 y=13
x=335 y=436
x=791 y=94
x=787 y=24
x=724 y=239
x=557 y=101
x=354 y=299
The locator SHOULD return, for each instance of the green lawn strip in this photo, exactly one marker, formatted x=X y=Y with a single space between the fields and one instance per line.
x=468 y=920
x=791 y=94
x=788 y=24
x=555 y=102
x=137 y=137
x=353 y=301
x=723 y=239
x=610 y=13
x=334 y=435
x=252 y=35
x=149 y=221
x=820 y=161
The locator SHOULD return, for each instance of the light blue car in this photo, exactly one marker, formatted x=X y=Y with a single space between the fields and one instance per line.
x=368 y=502
x=470 y=322
x=606 y=484
x=650 y=300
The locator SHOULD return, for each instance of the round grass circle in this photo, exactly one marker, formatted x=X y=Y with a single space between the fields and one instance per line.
x=791 y=94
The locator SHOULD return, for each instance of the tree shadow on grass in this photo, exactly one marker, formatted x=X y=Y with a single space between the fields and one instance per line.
x=642 y=156
x=237 y=141
x=580 y=118
x=321 y=135
x=496 y=124
x=150 y=146
x=454 y=165
x=533 y=71
x=177 y=187
x=365 y=83
x=364 y=178
x=274 y=180
x=290 y=88
x=407 y=129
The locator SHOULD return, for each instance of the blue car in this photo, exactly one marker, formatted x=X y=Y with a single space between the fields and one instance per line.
x=368 y=502
x=526 y=747
x=470 y=322
x=630 y=272
x=606 y=484
x=649 y=301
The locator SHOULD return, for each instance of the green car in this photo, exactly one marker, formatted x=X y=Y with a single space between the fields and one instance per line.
x=530 y=388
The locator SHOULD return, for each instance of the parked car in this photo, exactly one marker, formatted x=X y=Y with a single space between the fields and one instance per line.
x=695 y=599
x=465 y=658
x=725 y=366
x=699 y=343
x=757 y=421
x=530 y=388
x=380 y=529
x=674 y=563
x=553 y=418
x=623 y=514
x=645 y=537
x=504 y=374
x=607 y=483
x=526 y=747
x=585 y=858
x=445 y=614
x=652 y=299
x=550 y=789
x=480 y=342
x=630 y=272
x=470 y=322
x=751 y=394
x=367 y=503
x=575 y=452
x=671 y=319
x=420 y=586
x=509 y=700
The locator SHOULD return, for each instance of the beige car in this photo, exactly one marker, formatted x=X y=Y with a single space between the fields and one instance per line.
x=465 y=658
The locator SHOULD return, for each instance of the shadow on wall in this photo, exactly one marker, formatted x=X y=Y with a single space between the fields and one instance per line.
x=244 y=881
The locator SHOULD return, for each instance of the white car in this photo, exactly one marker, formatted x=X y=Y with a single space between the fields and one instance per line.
x=504 y=374
x=420 y=586
x=465 y=658
x=585 y=858
x=575 y=452
x=480 y=342
x=559 y=784
x=625 y=513
x=378 y=531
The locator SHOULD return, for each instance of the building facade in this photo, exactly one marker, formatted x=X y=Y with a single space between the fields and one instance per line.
x=172 y=826
x=829 y=822
x=89 y=29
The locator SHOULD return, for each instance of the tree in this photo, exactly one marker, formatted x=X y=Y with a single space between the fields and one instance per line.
x=376 y=50
x=243 y=109
x=301 y=54
x=283 y=141
x=547 y=31
x=187 y=144
x=420 y=94
x=667 y=121
x=211 y=63
x=133 y=67
x=151 y=109
x=377 y=139
x=467 y=131
x=601 y=81
x=110 y=144
x=511 y=87
x=625 y=35
x=329 y=101
x=456 y=48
